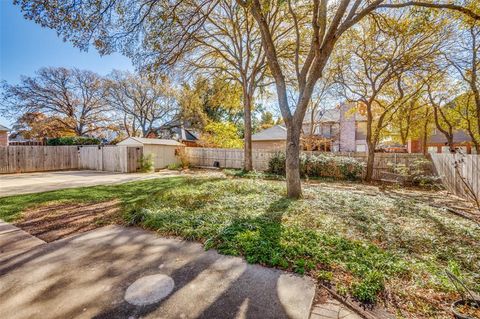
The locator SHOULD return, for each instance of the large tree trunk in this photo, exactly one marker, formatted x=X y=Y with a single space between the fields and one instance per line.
x=425 y=132
x=370 y=144
x=294 y=188
x=370 y=162
x=451 y=146
x=247 y=104
x=424 y=141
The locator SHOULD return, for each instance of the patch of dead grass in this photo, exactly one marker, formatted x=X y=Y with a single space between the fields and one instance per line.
x=59 y=220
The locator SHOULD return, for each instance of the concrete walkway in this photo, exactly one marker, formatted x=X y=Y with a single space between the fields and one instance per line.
x=14 y=241
x=26 y=183
x=332 y=309
x=118 y=272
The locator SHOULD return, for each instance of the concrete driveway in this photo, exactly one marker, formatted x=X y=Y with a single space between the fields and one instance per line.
x=118 y=272
x=25 y=183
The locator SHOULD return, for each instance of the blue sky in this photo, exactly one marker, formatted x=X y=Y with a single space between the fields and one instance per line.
x=26 y=47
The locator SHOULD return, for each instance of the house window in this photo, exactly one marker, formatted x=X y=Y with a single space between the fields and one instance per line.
x=432 y=149
x=361 y=148
x=327 y=130
x=361 y=130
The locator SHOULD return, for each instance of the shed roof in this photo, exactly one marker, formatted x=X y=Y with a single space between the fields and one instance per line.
x=151 y=141
x=274 y=133
x=4 y=128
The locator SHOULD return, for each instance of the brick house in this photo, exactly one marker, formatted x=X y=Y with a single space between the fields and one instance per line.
x=4 y=135
x=273 y=138
x=334 y=130
x=437 y=143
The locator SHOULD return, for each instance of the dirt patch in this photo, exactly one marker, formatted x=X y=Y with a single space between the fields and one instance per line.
x=54 y=221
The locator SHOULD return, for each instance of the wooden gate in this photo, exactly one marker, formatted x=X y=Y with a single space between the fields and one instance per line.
x=123 y=159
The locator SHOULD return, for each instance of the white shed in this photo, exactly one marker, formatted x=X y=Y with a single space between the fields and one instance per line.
x=165 y=152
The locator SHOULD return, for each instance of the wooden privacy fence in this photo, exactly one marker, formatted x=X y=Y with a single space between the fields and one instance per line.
x=226 y=157
x=468 y=169
x=233 y=158
x=23 y=159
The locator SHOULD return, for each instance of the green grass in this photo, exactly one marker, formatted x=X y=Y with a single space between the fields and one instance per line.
x=129 y=193
x=364 y=245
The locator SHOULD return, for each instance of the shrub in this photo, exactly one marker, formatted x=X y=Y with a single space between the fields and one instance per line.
x=73 y=140
x=323 y=165
x=182 y=155
x=146 y=163
x=368 y=289
x=417 y=173
x=276 y=165
x=427 y=181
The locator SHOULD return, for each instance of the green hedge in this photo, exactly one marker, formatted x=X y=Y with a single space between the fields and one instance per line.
x=338 y=167
x=73 y=140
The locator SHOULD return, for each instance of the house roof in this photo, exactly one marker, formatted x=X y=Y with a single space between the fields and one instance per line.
x=4 y=128
x=151 y=141
x=274 y=133
x=192 y=134
x=333 y=115
x=458 y=137
x=330 y=115
x=183 y=133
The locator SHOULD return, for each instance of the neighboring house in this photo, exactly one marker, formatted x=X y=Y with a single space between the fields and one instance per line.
x=335 y=130
x=176 y=131
x=17 y=139
x=343 y=129
x=273 y=138
x=437 y=143
x=4 y=135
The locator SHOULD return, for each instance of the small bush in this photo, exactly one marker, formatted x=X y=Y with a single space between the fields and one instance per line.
x=368 y=289
x=417 y=173
x=427 y=181
x=146 y=163
x=338 y=167
x=182 y=155
x=276 y=165
x=73 y=140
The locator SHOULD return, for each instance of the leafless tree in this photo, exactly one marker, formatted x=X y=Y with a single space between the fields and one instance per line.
x=229 y=42
x=140 y=103
x=76 y=98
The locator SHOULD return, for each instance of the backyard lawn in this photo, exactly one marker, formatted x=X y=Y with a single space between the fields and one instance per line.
x=377 y=244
